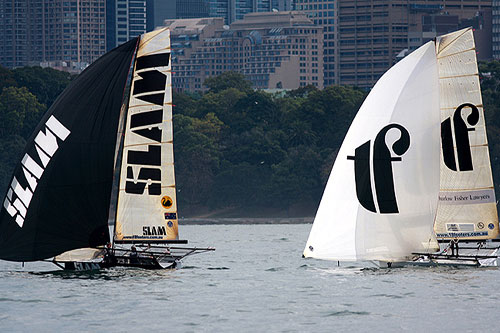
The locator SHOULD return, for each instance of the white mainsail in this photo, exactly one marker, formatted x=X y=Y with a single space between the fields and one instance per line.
x=147 y=209
x=395 y=131
x=467 y=204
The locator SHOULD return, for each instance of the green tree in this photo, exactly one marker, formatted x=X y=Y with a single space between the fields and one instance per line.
x=490 y=84
x=242 y=186
x=184 y=104
x=296 y=182
x=10 y=153
x=197 y=156
x=6 y=78
x=330 y=112
x=20 y=111
x=45 y=83
x=228 y=80
x=221 y=103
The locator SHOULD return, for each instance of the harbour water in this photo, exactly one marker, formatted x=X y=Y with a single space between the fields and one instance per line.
x=256 y=281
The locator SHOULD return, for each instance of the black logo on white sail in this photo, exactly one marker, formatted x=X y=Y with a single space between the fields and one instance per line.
x=461 y=138
x=150 y=88
x=382 y=170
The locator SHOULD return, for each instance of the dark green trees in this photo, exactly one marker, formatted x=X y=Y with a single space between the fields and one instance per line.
x=24 y=96
x=248 y=152
x=238 y=151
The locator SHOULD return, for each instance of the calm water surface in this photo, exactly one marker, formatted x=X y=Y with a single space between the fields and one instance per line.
x=256 y=281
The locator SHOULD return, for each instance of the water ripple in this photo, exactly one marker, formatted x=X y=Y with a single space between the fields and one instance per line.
x=347 y=313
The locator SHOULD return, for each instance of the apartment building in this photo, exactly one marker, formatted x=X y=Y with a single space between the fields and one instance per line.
x=276 y=50
x=71 y=33
x=373 y=35
x=496 y=29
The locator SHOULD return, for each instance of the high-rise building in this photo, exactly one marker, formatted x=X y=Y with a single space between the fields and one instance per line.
x=14 y=34
x=373 y=35
x=126 y=19
x=230 y=10
x=496 y=29
x=363 y=38
x=110 y=24
x=276 y=50
x=324 y=13
x=192 y=9
x=58 y=33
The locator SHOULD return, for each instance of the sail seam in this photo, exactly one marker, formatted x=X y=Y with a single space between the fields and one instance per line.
x=453 y=54
x=451 y=42
x=457 y=76
x=147 y=144
x=468 y=189
x=151 y=104
x=156 y=52
x=164 y=186
x=453 y=108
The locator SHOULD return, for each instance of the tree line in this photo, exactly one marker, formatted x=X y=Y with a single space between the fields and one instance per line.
x=238 y=151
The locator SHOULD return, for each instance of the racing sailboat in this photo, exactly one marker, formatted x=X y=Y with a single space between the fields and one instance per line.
x=58 y=203
x=413 y=167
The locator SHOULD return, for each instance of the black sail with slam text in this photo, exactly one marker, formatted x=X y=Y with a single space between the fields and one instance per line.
x=63 y=182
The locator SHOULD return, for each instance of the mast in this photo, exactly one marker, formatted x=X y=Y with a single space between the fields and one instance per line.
x=119 y=150
x=147 y=209
x=467 y=204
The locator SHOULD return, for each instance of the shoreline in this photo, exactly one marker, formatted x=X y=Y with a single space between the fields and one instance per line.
x=245 y=220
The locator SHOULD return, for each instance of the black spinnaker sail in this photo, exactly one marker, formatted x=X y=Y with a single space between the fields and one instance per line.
x=59 y=196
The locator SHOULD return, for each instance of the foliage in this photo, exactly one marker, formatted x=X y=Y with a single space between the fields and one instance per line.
x=45 y=83
x=20 y=111
x=228 y=80
x=24 y=96
x=251 y=150
x=490 y=86
x=235 y=148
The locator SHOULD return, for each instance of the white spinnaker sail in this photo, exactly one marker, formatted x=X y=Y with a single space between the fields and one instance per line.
x=343 y=229
x=467 y=205
x=147 y=208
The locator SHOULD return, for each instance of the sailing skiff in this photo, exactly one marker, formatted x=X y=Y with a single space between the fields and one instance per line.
x=60 y=197
x=414 y=168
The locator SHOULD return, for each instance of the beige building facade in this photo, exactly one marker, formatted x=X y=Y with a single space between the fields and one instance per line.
x=277 y=50
x=373 y=35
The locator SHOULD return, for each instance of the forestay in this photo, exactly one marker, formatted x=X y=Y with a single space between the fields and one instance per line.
x=467 y=205
x=380 y=200
x=147 y=209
